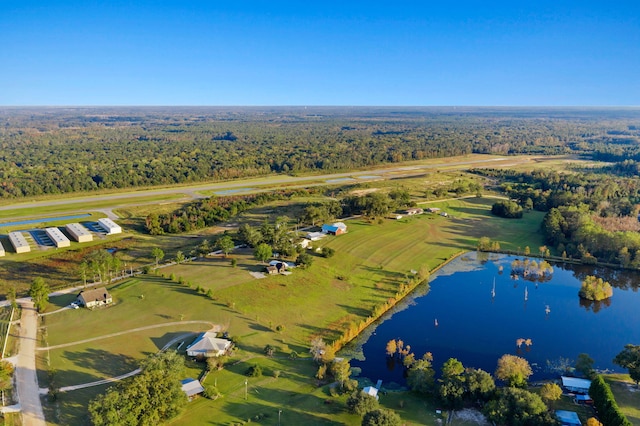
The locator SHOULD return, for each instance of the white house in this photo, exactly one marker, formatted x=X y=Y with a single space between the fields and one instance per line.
x=208 y=345
x=94 y=298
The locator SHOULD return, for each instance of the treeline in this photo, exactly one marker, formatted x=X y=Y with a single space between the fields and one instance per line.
x=590 y=216
x=210 y=211
x=68 y=150
x=608 y=411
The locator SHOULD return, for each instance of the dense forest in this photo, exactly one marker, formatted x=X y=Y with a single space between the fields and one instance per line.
x=592 y=216
x=62 y=150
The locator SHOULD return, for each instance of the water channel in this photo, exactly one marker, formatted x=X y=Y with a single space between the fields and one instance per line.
x=462 y=314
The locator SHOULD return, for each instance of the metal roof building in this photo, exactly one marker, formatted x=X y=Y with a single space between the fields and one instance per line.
x=79 y=233
x=18 y=242
x=58 y=238
x=575 y=384
x=110 y=226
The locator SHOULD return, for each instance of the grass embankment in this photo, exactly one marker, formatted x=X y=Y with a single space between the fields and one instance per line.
x=371 y=262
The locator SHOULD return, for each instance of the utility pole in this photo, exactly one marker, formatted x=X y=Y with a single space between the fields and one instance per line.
x=279 y=412
x=246 y=389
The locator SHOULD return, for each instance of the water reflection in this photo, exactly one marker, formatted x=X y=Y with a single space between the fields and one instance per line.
x=481 y=314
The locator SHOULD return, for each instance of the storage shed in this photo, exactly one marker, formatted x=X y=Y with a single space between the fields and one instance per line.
x=57 y=237
x=110 y=226
x=79 y=233
x=18 y=242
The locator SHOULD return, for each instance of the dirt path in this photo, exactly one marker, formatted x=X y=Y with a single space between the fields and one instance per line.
x=25 y=373
x=214 y=328
x=117 y=378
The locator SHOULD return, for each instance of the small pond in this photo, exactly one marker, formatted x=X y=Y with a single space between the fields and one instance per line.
x=460 y=315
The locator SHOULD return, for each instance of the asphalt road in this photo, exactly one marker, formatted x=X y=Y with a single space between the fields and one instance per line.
x=193 y=191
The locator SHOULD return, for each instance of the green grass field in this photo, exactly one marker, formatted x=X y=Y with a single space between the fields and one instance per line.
x=627 y=396
x=371 y=261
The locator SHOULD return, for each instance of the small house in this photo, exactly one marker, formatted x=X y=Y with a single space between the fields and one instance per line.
x=191 y=387
x=208 y=345
x=94 y=298
x=574 y=384
x=337 y=228
x=433 y=209
x=412 y=211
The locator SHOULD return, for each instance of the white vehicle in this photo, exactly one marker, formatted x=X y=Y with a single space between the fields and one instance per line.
x=74 y=305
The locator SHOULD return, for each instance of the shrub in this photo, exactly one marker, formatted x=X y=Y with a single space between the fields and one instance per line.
x=211 y=392
x=254 y=371
x=328 y=252
x=360 y=403
x=507 y=209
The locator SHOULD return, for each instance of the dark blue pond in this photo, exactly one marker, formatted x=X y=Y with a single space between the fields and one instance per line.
x=477 y=329
x=43 y=220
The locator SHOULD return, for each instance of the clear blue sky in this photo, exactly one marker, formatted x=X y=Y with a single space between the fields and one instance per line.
x=234 y=52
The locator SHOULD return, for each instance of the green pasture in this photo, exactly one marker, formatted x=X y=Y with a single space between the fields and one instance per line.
x=371 y=261
x=627 y=395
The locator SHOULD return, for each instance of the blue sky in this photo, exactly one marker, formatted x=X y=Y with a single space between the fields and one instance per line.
x=224 y=52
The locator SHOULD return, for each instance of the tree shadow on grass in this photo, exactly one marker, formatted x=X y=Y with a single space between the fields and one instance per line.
x=186 y=336
x=105 y=364
x=254 y=411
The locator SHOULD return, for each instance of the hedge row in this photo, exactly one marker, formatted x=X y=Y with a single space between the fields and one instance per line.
x=604 y=401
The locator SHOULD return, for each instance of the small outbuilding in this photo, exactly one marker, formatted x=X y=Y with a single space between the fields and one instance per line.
x=414 y=210
x=57 y=237
x=208 y=345
x=109 y=226
x=2 y=252
x=337 y=228
x=94 y=297
x=79 y=232
x=574 y=384
x=19 y=242
x=371 y=390
x=568 y=418
x=433 y=209
x=315 y=236
x=191 y=387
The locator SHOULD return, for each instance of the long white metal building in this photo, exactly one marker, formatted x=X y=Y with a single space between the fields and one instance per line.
x=2 y=252
x=79 y=232
x=58 y=238
x=18 y=242
x=110 y=226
